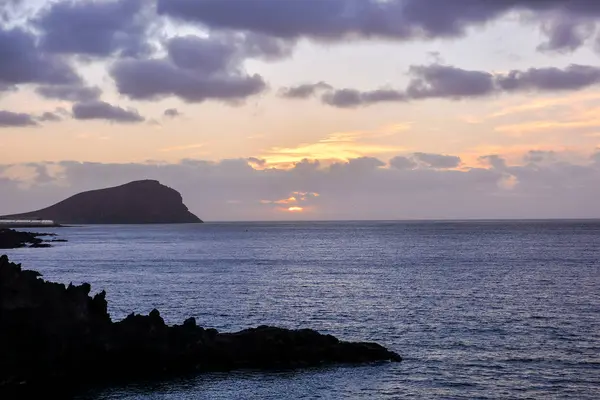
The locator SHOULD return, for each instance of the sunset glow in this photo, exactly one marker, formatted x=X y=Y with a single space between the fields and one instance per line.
x=252 y=114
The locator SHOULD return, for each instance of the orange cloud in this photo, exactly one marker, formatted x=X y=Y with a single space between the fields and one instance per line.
x=539 y=104
x=540 y=126
x=293 y=201
x=338 y=146
x=286 y=201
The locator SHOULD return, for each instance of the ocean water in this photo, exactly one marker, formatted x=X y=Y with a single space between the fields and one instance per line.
x=478 y=310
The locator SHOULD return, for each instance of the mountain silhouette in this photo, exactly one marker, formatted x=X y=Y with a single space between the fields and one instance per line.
x=138 y=202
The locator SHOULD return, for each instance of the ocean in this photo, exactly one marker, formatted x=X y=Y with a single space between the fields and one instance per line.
x=478 y=309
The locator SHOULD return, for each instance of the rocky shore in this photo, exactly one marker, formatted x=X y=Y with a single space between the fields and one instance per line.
x=52 y=336
x=11 y=239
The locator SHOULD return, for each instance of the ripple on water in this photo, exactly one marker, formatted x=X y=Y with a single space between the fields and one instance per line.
x=477 y=310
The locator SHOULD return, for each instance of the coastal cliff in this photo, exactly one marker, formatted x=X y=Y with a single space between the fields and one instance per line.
x=57 y=336
x=138 y=202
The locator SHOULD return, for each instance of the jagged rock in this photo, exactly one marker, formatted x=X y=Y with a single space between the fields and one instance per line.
x=52 y=335
x=11 y=239
x=138 y=202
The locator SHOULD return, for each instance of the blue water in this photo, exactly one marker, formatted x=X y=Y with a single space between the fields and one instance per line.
x=478 y=310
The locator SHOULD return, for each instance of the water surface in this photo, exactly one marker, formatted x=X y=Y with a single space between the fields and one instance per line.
x=478 y=310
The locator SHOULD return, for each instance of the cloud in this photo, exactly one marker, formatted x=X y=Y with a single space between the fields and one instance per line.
x=49 y=117
x=41 y=175
x=304 y=91
x=22 y=62
x=74 y=93
x=335 y=19
x=94 y=28
x=257 y=162
x=441 y=81
x=337 y=146
x=402 y=163
x=437 y=160
x=565 y=33
x=195 y=69
x=171 y=113
x=10 y=119
x=448 y=82
x=537 y=156
x=563 y=23
x=573 y=77
x=494 y=160
x=102 y=110
x=347 y=98
x=354 y=189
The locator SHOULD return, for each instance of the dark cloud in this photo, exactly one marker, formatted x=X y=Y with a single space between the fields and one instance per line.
x=447 y=82
x=155 y=79
x=347 y=98
x=432 y=81
x=74 y=93
x=22 y=62
x=95 y=28
x=257 y=161
x=563 y=22
x=357 y=189
x=438 y=80
x=10 y=120
x=437 y=160
x=337 y=19
x=204 y=55
x=102 y=110
x=565 y=34
x=343 y=98
x=304 y=91
x=49 y=117
x=573 y=77
x=171 y=113
x=196 y=69
x=402 y=163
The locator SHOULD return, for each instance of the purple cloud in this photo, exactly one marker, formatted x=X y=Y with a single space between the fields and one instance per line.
x=95 y=28
x=75 y=93
x=104 y=111
x=22 y=62
x=195 y=70
x=10 y=119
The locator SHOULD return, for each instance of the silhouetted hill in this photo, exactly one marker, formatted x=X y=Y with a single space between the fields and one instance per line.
x=139 y=202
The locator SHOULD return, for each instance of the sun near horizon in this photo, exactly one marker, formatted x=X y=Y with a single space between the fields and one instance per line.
x=423 y=114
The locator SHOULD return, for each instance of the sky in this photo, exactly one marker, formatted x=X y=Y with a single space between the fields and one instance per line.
x=306 y=109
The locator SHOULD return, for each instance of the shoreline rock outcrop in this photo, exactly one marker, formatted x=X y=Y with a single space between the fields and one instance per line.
x=12 y=239
x=138 y=202
x=52 y=335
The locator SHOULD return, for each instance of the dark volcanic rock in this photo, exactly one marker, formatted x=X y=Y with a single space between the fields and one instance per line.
x=139 y=202
x=11 y=239
x=52 y=335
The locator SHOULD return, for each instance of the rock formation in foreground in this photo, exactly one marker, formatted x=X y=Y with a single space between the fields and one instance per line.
x=139 y=202
x=53 y=336
x=11 y=239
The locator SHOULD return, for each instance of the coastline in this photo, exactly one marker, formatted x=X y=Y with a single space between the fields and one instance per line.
x=55 y=334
